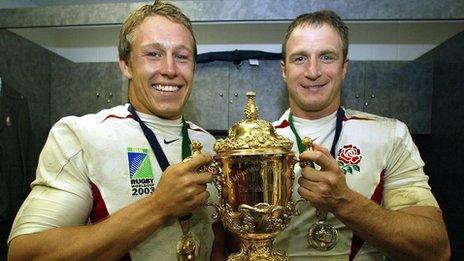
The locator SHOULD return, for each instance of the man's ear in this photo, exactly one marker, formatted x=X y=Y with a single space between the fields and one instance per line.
x=282 y=68
x=125 y=69
x=345 y=67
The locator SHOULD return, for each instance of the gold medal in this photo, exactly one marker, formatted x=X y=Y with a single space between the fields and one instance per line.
x=187 y=247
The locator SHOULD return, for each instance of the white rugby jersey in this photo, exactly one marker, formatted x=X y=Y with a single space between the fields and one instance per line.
x=92 y=166
x=377 y=155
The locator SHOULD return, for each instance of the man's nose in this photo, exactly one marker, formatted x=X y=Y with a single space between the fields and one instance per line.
x=313 y=70
x=168 y=67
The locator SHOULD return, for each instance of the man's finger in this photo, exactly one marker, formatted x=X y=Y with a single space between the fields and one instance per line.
x=197 y=161
x=202 y=178
x=321 y=157
x=307 y=183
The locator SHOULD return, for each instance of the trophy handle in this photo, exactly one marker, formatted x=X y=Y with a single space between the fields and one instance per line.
x=214 y=168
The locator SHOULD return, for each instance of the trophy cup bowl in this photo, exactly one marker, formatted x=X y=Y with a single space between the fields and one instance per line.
x=255 y=185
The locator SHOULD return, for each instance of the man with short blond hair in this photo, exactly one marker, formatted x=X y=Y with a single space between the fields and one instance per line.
x=117 y=184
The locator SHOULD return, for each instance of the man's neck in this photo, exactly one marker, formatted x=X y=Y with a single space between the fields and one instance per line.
x=140 y=108
x=313 y=115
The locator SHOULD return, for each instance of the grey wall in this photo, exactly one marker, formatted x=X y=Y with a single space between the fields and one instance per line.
x=81 y=88
x=442 y=149
x=26 y=67
x=218 y=98
x=401 y=90
x=55 y=87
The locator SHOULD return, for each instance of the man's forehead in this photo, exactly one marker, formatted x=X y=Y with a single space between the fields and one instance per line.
x=312 y=35
x=306 y=27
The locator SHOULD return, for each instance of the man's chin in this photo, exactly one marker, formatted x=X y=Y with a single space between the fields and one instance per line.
x=168 y=114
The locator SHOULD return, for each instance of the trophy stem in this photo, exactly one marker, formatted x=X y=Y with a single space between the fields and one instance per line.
x=257 y=250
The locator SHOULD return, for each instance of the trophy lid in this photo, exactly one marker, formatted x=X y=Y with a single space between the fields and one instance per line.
x=252 y=135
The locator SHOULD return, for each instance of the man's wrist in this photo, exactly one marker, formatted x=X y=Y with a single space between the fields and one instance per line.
x=349 y=204
x=158 y=209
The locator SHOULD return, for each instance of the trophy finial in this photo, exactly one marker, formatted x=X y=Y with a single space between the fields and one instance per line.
x=251 y=110
x=307 y=142
x=252 y=133
x=196 y=147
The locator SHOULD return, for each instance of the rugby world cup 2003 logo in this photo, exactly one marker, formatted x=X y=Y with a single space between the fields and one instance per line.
x=140 y=171
x=349 y=157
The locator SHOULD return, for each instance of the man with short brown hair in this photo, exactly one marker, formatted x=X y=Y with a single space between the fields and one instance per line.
x=368 y=176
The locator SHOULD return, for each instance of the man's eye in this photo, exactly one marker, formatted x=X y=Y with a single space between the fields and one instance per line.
x=299 y=59
x=154 y=54
x=181 y=57
x=326 y=58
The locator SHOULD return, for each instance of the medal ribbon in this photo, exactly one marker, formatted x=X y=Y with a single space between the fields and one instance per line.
x=158 y=151
x=338 y=130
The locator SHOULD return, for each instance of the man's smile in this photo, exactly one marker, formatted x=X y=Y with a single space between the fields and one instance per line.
x=166 y=88
x=312 y=86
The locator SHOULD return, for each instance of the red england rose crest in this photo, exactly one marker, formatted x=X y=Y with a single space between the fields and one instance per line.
x=349 y=156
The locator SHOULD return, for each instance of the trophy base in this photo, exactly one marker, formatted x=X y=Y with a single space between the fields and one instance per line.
x=258 y=250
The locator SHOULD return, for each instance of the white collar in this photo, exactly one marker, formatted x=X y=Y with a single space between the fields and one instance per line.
x=314 y=126
x=160 y=126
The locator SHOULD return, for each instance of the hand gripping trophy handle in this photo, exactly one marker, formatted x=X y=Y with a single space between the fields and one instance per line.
x=321 y=235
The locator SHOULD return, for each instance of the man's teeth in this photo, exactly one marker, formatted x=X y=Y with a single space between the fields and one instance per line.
x=313 y=87
x=166 y=88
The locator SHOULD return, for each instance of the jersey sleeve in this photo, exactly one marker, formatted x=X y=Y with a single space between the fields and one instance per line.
x=61 y=193
x=406 y=184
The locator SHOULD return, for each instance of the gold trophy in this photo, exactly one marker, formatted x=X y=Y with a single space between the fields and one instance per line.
x=255 y=185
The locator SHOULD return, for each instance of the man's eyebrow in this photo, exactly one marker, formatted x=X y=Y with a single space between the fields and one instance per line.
x=297 y=53
x=323 y=52
x=162 y=46
x=329 y=51
x=155 y=45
